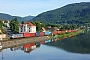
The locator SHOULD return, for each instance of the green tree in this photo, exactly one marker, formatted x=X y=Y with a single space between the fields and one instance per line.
x=3 y=31
x=6 y=21
x=22 y=22
x=77 y=13
x=14 y=25
x=74 y=26
x=38 y=25
x=2 y=26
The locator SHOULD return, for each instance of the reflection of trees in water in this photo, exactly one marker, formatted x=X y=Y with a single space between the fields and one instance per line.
x=78 y=44
x=87 y=30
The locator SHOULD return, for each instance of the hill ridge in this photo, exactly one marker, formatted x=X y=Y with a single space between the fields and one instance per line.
x=78 y=13
x=5 y=16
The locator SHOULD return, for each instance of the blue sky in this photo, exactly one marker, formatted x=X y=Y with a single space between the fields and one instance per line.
x=32 y=7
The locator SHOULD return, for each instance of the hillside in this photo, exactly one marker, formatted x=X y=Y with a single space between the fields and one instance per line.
x=20 y=19
x=28 y=17
x=78 y=13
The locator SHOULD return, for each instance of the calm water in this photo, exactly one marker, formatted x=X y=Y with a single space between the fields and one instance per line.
x=75 y=48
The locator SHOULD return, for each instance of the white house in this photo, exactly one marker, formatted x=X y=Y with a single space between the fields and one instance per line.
x=7 y=24
x=27 y=27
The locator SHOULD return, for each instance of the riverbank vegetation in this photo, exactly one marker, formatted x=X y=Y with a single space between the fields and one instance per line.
x=2 y=27
x=67 y=34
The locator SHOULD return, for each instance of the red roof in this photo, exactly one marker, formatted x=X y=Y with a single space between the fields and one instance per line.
x=28 y=23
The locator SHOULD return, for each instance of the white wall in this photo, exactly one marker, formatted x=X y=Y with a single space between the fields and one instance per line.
x=26 y=29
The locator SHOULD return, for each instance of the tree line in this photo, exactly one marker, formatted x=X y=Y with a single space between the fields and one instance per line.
x=14 y=25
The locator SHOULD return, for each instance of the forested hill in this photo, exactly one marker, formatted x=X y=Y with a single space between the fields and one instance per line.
x=9 y=17
x=78 y=13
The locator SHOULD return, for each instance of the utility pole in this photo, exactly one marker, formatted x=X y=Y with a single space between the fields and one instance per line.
x=2 y=55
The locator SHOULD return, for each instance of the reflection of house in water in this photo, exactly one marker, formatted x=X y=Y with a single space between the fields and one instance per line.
x=0 y=45
x=26 y=48
x=29 y=47
x=16 y=48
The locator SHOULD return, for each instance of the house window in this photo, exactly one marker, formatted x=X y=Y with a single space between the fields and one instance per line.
x=21 y=27
x=29 y=27
x=21 y=30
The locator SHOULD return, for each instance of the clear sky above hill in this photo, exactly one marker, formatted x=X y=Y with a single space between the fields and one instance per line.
x=32 y=7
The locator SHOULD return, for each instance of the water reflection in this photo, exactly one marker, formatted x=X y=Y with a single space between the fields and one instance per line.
x=87 y=30
x=54 y=49
x=27 y=48
x=77 y=44
x=16 y=48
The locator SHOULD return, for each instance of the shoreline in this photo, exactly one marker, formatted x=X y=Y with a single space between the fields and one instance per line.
x=16 y=42
x=21 y=41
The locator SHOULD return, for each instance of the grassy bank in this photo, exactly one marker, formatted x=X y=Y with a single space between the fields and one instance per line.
x=67 y=34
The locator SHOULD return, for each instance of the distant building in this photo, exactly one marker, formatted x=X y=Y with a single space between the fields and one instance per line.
x=3 y=21
x=2 y=36
x=55 y=28
x=49 y=27
x=43 y=29
x=6 y=22
x=27 y=27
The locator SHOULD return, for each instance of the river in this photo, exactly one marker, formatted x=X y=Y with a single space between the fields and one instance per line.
x=74 y=48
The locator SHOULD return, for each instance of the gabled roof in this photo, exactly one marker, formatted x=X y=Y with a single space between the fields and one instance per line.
x=28 y=24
